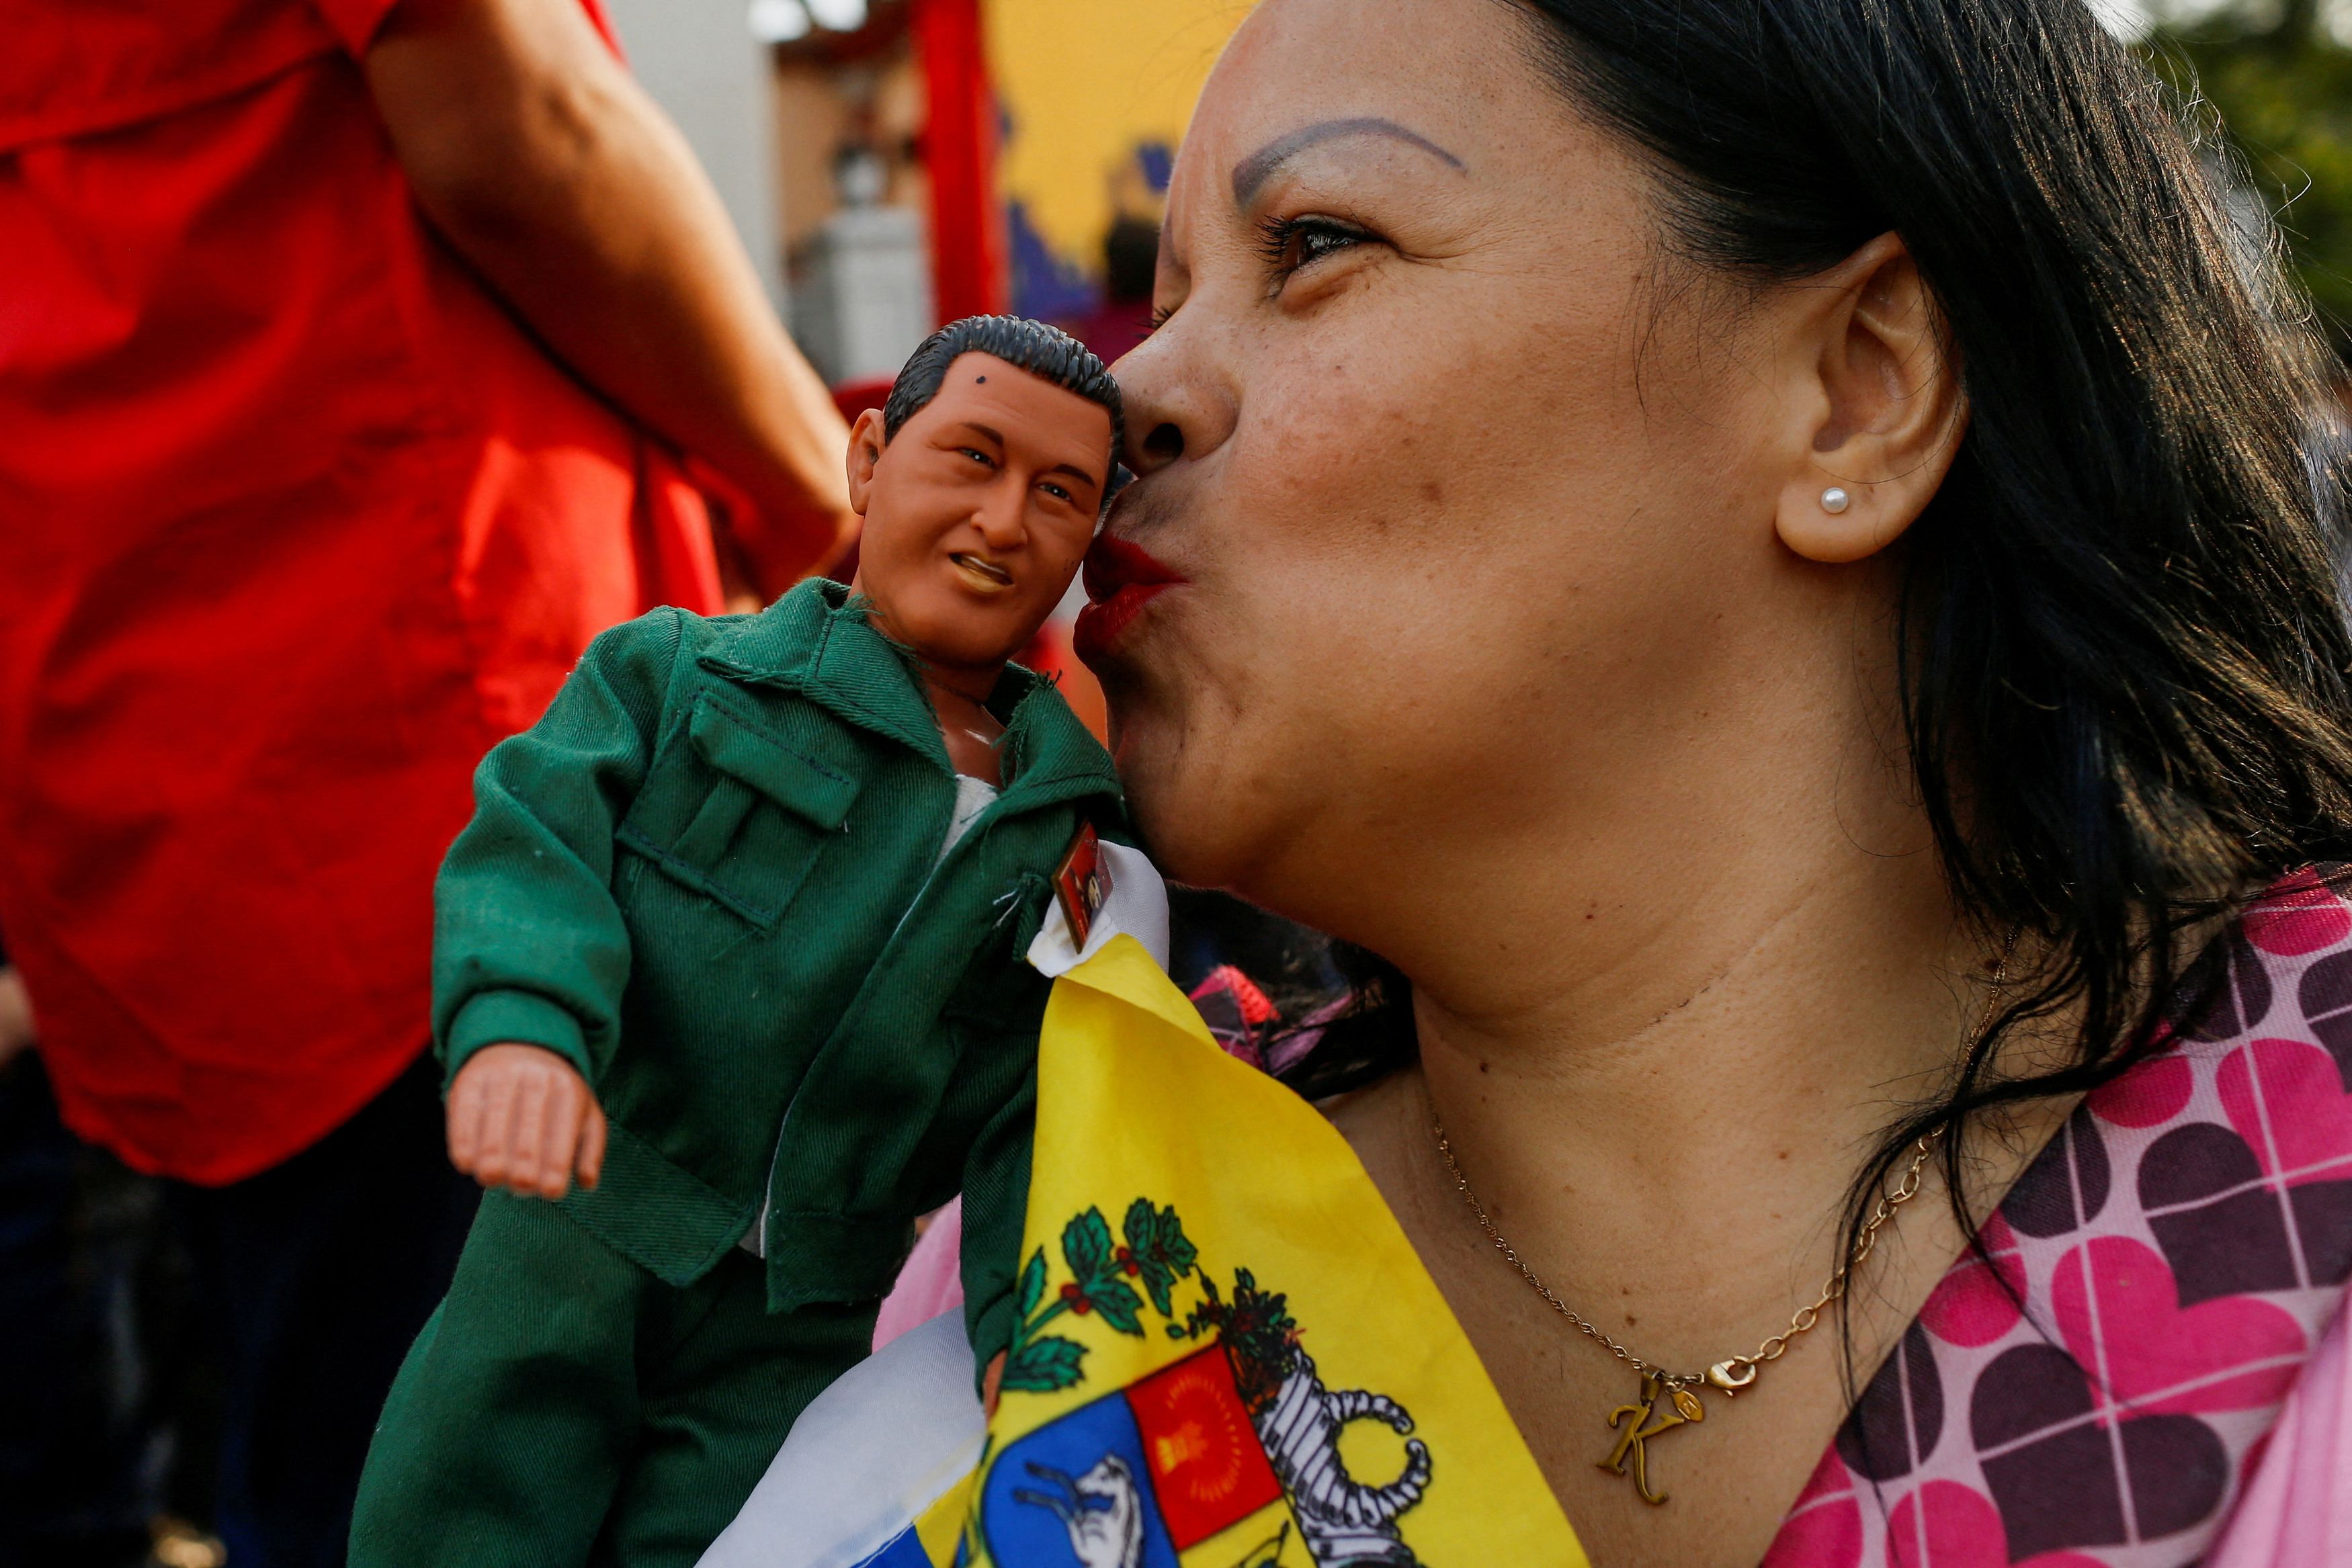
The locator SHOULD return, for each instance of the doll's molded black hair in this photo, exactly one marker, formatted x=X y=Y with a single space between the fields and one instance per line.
x=1045 y=351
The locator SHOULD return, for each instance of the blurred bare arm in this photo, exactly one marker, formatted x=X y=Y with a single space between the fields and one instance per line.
x=547 y=167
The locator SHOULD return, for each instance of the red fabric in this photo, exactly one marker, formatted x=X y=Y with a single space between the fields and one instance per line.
x=77 y=66
x=299 y=523
x=854 y=398
x=354 y=21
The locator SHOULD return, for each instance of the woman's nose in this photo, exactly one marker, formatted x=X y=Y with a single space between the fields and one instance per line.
x=1177 y=405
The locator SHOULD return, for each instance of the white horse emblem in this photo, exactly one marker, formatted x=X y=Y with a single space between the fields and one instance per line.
x=1102 y=1510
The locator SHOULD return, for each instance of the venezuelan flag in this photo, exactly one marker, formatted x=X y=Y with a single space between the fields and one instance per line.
x=1228 y=1356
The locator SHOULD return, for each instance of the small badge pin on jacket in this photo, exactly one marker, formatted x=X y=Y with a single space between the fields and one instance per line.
x=1082 y=883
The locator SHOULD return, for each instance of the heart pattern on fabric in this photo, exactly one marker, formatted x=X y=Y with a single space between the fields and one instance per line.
x=2063 y=1477
x=2325 y=997
x=2235 y=985
x=2116 y=1306
x=1980 y=1299
x=2149 y=1096
x=1895 y=1423
x=2222 y=1232
x=1947 y=1525
x=2091 y=1385
x=2314 y=1143
x=2300 y=915
x=2067 y=1183
x=1823 y=1530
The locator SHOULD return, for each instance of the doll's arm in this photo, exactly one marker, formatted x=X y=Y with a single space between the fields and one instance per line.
x=528 y=946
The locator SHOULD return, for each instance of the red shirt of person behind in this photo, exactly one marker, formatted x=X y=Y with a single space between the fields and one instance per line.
x=298 y=523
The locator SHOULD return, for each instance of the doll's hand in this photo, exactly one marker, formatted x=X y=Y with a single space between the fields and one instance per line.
x=522 y=1118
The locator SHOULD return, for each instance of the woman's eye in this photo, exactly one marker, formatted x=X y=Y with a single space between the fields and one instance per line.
x=1292 y=244
x=1056 y=492
x=976 y=455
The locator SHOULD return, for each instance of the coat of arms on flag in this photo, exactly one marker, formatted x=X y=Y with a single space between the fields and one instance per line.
x=1227 y=1355
x=1228 y=1455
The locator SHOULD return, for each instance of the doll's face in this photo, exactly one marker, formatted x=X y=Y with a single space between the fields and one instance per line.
x=977 y=514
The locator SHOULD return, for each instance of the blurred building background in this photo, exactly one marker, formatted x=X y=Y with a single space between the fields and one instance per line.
x=895 y=163
x=701 y=59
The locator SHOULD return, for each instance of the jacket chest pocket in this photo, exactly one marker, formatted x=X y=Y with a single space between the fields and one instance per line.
x=739 y=813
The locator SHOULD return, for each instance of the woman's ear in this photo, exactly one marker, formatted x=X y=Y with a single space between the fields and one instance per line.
x=1883 y=413
x=865 y=443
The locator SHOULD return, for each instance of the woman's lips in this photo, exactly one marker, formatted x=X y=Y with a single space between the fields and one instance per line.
x=1121 y=578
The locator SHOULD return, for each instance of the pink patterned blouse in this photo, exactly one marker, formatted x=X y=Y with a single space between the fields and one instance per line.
x=2168 y=1271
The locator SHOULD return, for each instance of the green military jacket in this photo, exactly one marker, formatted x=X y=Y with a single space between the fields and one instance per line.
x=710 y=879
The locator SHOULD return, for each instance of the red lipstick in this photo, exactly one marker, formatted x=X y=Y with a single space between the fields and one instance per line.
x=1121 y=578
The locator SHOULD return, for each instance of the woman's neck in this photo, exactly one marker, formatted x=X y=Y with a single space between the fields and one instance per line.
x=1685 y=973
x=1678 y=963
x=1770 y=1027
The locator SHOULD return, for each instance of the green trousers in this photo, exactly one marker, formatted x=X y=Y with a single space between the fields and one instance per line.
x=564 y=1408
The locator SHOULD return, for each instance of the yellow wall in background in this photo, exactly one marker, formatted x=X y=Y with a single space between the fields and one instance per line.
x=1084 y=81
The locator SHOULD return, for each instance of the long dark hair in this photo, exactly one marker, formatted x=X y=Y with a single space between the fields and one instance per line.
x=2125 y=660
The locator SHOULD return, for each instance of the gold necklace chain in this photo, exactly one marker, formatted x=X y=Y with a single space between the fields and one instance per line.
x=1630 y=1456
x=1734 y=1373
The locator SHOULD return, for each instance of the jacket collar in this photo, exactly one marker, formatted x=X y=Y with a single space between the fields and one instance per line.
x=1048 y=753
x=812 y=641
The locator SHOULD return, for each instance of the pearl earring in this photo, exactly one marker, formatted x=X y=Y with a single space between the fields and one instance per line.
x=1836 y=500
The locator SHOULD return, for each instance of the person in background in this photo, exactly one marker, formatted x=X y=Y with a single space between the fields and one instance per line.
x=1123 y=319
x=357 y=361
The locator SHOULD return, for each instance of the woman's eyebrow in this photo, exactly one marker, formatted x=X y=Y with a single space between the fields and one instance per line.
x=1253 y=171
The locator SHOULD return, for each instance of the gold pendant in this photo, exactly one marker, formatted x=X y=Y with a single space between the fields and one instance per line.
x=1632 y=1440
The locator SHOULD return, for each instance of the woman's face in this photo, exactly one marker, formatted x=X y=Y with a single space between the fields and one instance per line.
x=1469 y=484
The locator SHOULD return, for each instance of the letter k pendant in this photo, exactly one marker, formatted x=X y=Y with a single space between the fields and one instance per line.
x=1632 y=1441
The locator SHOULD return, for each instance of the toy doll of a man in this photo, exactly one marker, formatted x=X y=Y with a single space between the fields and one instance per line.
x=735 y=938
